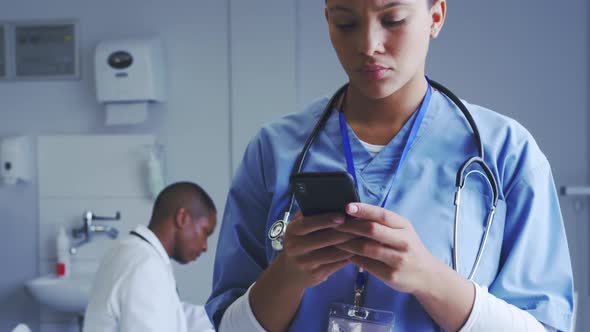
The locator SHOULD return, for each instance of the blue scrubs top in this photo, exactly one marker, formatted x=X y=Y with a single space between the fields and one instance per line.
x=525 y=262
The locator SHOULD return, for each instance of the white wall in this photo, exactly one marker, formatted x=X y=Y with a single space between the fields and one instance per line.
x=262 y=62
x=193 y=124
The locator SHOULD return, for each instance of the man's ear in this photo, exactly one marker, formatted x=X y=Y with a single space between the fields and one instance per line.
x=181 y=218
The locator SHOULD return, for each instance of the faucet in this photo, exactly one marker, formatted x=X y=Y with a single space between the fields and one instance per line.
x=88 y=229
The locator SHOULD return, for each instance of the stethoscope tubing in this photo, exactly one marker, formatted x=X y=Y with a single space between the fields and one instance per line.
x=459 y=182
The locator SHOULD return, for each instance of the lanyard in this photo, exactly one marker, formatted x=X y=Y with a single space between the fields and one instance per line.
x=361 y=276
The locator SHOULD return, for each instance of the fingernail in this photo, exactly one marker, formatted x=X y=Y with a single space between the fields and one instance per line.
x=338 y=220
x=353 y=208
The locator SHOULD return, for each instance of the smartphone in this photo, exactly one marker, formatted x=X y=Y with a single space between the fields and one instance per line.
x=323 y=192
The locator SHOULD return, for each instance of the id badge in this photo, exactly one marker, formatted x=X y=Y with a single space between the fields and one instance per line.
x=347 y=318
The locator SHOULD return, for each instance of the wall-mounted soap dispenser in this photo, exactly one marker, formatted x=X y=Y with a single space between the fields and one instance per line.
x=155 y=170
x=16 y=154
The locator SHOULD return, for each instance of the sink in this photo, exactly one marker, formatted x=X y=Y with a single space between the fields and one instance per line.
x=68 y=295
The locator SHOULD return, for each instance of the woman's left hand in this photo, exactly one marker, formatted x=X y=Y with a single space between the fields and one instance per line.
x=389 y=248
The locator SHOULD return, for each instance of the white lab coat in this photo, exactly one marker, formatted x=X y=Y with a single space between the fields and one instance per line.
x=135 y=290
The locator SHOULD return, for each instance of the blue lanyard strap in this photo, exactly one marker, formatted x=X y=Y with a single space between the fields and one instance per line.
x=361 y=277
x=347 y=149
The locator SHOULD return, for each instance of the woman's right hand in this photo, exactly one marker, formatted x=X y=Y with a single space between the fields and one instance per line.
x=309 y=256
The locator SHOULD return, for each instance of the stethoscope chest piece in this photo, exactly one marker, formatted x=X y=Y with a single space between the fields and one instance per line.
x=277 y=232
x=278 y=228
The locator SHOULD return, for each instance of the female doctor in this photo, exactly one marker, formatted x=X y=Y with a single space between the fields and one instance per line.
x=402 y=257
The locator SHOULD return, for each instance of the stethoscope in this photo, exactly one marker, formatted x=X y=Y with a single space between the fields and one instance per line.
x=278 y=228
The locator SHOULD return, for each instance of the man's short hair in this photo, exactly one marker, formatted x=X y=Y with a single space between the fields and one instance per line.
x=186 y=195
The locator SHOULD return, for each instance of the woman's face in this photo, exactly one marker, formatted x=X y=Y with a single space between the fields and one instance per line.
x=382 y=44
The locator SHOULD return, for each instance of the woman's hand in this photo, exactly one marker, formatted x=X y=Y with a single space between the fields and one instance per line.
x=388 y=247
x=309 y=256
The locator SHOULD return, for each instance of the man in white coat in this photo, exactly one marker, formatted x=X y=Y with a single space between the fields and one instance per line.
x=134 y=289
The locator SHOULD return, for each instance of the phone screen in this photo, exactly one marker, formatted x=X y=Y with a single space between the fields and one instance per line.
x=323 y=192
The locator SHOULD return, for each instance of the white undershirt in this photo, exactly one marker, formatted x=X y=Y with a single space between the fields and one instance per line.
x=373 y=149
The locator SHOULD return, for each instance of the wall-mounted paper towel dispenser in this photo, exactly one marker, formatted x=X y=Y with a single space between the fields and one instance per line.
x=129 y=75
